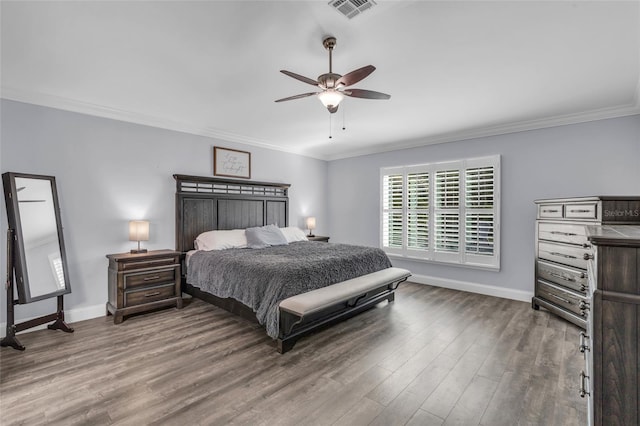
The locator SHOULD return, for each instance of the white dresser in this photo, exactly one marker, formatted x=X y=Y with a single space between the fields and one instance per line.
x=562 y=249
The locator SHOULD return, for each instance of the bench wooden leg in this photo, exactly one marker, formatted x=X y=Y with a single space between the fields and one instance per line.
x=391 y=297
x=285 y=345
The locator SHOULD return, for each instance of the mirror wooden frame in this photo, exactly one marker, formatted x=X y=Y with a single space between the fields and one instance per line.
x=17 y=263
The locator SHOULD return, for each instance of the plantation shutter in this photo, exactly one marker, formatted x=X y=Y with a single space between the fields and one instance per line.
x=447 y=220
x=445 y=212
x=392 y=210
x=418 y=211
x=479 y=207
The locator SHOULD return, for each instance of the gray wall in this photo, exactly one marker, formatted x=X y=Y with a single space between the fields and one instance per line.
x=595 y=158
x=109 y=172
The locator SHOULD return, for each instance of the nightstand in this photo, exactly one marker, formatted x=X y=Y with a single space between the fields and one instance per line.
x=318 y=238
x=142 y=282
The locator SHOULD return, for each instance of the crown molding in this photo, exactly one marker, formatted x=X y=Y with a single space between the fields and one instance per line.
x=480 y=132
x=169 y=124
x=102 y=111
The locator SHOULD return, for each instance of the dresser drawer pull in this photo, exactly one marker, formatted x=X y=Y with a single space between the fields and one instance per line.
x=579 y=211
x=155 y=293
x=568 y=256
x=583 y=305
x=583 y=388
x=568 y=234
x=561 y=298
x=587 y=256
x=155 y=277
x=550 y=210
x=583 y=345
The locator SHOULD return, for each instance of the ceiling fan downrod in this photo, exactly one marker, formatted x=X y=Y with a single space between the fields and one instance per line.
x=329 y=43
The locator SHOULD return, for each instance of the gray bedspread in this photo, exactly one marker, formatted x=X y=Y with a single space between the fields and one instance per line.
x=262 y=278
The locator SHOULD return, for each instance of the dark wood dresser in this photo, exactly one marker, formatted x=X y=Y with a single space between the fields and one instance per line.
x=561 y=246
x=142 y=282
x=610 y=344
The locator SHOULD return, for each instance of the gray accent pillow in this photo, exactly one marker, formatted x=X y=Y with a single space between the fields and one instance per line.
x=265 y=236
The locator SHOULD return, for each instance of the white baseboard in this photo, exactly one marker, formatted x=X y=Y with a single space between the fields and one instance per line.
x=95 y=311
x=70 y=316
x=489 y=290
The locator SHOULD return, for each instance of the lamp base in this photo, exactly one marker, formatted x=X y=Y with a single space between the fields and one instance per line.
x=310 y=235
x=134 y=251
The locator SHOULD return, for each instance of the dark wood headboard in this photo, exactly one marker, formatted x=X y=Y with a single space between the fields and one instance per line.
x=205 y=204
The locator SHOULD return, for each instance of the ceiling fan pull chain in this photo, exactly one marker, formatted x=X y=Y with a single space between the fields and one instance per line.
x=343 y=119
x=330 y=137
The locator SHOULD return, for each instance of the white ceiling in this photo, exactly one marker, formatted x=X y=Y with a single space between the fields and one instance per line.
x=454 y=69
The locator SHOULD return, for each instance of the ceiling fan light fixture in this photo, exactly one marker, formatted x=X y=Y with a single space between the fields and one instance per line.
x=330 y=98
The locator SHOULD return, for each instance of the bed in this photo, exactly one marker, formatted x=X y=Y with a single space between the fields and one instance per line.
x=256 y=283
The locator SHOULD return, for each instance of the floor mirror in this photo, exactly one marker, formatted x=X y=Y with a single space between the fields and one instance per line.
x=36 y=258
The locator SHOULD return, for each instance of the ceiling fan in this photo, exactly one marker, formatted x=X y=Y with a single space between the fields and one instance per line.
x=334 y=85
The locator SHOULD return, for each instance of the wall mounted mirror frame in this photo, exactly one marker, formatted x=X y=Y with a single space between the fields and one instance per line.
x=36 y=255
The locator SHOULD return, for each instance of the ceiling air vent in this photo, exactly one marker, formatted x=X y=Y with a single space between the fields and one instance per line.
x=351 y=8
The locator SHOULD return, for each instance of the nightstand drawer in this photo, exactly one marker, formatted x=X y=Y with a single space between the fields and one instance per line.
x=147 y=263
x=149 y=294
x=157 y=276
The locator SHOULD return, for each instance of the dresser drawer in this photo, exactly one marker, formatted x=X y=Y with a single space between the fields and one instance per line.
x=550 y=211
x=149 y=294
x=564 y=233
x=156 y=276
x=565 y=254
x=561 y=297
x=574 y=279
x=581 y=211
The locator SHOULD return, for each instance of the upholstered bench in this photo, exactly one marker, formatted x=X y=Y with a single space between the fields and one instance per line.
x=301 y=313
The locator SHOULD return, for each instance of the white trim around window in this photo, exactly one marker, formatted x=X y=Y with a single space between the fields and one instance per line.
x=445 y=212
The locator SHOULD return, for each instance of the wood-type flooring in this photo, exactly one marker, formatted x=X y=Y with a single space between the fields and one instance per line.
x=433 y=357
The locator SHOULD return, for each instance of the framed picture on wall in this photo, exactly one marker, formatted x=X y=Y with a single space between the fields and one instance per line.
x=231 y=163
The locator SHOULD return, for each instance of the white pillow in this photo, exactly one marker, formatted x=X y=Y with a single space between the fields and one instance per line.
x=293 y=234
x=221 y=240
x=265 y=236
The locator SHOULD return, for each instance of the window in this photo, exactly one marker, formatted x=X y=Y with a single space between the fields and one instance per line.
x=443 y=212
x=55 y=261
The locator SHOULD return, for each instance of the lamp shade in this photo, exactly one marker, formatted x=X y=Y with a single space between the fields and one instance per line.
x=311 y=223
x=139 y=230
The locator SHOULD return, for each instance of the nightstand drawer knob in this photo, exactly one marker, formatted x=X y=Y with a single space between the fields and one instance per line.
x=155 y=277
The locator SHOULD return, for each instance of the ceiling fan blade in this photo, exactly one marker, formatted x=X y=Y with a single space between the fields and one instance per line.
x=355 y=76
x=304 y=95
x=300 y=77
x=365 y=94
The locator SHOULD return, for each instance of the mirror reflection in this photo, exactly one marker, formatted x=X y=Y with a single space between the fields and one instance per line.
x=40 y=236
